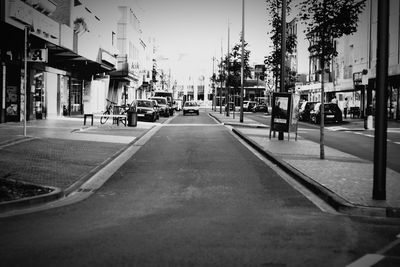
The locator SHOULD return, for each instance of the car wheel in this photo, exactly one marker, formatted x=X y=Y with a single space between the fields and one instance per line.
x=198 y=113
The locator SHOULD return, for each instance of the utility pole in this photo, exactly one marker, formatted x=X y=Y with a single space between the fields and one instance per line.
x=221 y=76
x=283 y=56
x=213 y=87
x=227 y=77
x=26 y=29
x=242 y=68
x=380 y=140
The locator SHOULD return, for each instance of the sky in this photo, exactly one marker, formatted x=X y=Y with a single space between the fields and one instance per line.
x=189 y=33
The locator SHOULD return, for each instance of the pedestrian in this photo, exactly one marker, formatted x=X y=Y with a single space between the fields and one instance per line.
x=346 y=107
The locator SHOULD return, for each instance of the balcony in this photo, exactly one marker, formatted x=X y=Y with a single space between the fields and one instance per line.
x=124 y=70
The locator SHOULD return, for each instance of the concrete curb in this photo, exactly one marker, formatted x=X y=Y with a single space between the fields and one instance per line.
x=30 y=201
x=238 y=124
x=58 y=193
x=336 y=201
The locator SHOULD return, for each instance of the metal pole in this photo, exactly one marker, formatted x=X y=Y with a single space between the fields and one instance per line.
x=3 y=94
x=227 y=77
x=221 y=76
x=25 y=73
x=283 y=54
x=242 y=68
x=380 y=140
x=213 y=87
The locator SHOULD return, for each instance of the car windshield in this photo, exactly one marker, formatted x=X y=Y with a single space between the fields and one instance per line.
x=190 y=104
x=144 y=103
x=162 y=101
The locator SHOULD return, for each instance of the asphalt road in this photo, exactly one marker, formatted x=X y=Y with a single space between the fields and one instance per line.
x=357 y=143
x=193 y=195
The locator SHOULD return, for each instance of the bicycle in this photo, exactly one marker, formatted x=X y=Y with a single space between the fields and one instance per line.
x=113 y=109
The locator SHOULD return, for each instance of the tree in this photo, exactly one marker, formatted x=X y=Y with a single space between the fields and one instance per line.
x=327 y=20
x=235 y=67
x=273 y=61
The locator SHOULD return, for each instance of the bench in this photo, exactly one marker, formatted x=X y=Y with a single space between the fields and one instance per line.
x=116 y=118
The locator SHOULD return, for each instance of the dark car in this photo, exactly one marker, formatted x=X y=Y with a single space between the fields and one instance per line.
x=248 y=105
x=145 y=110
x=304 y=110
x=260 y=108
x=163 y=105
x=332 y=113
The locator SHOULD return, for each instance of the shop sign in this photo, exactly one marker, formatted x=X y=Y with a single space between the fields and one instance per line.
x=38 y=55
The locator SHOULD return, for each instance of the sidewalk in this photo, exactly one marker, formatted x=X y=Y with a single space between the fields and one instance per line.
x=60 y=153
x=348 y=189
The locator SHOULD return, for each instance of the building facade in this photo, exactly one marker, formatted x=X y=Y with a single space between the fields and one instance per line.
x=68 y=49
x=352 y=73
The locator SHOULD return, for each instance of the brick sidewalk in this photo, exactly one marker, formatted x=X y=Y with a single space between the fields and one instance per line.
x=61 y=153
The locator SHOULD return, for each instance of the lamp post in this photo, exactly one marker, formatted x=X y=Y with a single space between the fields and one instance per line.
x=227 y=76
x=213 y=105
x=26 y=29
x=283 y=52
x=380 y=140
x=242 y=68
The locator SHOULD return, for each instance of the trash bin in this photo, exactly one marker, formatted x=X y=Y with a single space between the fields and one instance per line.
x=132 y=118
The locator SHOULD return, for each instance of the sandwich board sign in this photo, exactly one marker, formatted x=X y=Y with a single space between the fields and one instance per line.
x=282 y=119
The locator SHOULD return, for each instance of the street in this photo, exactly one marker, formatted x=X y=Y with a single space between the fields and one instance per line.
x=193 y=195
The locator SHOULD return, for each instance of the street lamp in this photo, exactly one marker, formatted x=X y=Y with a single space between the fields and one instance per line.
x=242 y=68
x=26 y=30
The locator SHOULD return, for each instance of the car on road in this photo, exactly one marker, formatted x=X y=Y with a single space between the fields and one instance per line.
x=260 y=108
x=145 y=110
x=248 y=105
x=304 y=110
x=332 y=113
x=190 y=107
x=163 y=105
x=170 y=100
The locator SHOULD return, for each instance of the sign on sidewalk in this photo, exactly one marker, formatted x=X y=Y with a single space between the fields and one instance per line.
x=284 y=116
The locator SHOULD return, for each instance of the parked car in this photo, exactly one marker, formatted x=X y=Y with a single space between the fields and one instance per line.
x=170 y=100
x=145 y=110
x=304 y=110
x=248 y=105
x=163 y=105
x=156 y=108
x=190 y=107
x=260 y=108
x=332 y=113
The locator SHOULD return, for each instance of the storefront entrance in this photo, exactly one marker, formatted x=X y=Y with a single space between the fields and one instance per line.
x=75 y=97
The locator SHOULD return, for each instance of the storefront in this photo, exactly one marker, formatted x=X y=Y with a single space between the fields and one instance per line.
x=393 y=104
